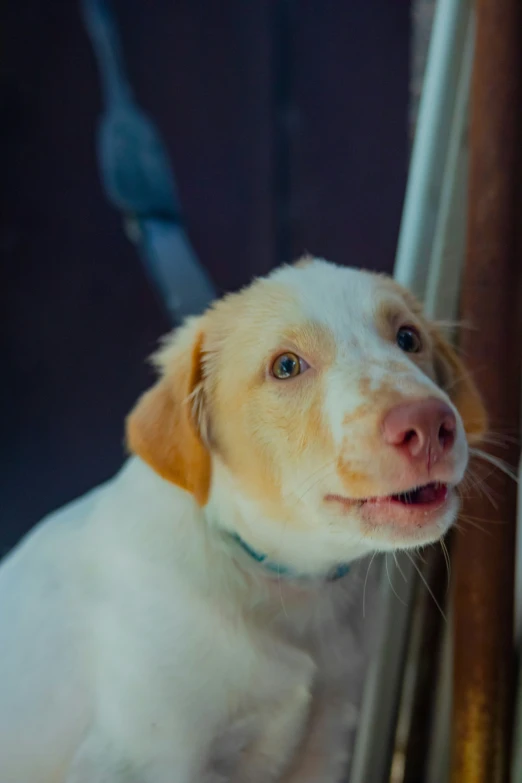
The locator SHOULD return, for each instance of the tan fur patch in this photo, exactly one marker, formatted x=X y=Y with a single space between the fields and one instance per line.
x=363 y=427
x=274 y=423
x=161 y=428
x=365 y=409
x=359 y=484
x=304 y=261
x=461 y=389
x=450 y=372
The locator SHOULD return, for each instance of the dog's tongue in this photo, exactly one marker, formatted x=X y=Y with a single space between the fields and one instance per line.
x=428 y=494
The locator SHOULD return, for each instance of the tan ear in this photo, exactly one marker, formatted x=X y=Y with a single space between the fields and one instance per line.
x=454 y=377
x=304 y=261
x=163 y=429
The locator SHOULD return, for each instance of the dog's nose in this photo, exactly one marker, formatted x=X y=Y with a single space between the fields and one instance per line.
x=424 y=429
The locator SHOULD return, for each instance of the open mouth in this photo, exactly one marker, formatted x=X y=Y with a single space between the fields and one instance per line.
x=414 y=516
x=425 y=497
x=428 y=495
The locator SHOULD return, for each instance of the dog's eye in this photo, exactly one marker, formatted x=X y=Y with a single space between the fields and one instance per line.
x=408 y=339
x=288 y=365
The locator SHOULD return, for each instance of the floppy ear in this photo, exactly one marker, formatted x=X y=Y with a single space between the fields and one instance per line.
x=454 y=377
x=164 y=429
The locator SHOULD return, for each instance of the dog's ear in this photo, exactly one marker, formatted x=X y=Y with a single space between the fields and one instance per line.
x=166 y=427
x=453 y=376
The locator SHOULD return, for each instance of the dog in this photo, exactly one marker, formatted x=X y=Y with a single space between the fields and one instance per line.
x=185 y=622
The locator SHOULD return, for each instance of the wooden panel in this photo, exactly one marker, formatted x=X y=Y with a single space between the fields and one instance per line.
x=484 y=556
x=350 y=122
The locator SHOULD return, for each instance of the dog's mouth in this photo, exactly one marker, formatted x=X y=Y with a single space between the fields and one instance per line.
x=425 y=497
x=428 y=495
x=403 y=519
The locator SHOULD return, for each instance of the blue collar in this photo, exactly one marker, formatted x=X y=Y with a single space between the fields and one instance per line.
x=337 y=573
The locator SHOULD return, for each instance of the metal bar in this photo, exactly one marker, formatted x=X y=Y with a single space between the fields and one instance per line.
x=440 y=113
x=427 y=753
x=449 y=238
x=484 y=560
x=438 y=762
x=517 y=745
x=372 y=760
x=426 y=664
x=431 y=142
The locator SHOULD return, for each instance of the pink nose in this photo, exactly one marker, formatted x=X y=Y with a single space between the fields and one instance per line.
x=423 y=430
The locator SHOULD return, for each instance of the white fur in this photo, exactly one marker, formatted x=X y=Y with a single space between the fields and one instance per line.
x=126 y=650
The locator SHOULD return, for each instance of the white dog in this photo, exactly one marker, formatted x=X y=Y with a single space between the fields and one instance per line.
x=183 y=623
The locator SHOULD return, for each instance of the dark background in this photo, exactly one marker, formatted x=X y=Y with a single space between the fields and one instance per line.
x=287 y=124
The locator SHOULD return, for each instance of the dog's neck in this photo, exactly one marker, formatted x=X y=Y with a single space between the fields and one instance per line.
x=282 y=571
x=228 y=537
x=267 y=544
x=179 y=540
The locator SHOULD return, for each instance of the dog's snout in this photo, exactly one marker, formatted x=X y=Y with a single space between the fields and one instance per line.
x=424 y=430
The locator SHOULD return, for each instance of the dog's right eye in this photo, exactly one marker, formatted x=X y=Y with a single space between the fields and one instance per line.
x=408 y=339
x=288 y=365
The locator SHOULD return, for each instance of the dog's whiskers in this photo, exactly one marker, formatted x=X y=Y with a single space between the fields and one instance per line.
x=428 y=588
x=479 y=483
x=398 y=566
x=446 y=559
x=365 y=582
x=316 y=473
x=501 y=464
x=463 y=520
x=390 y=581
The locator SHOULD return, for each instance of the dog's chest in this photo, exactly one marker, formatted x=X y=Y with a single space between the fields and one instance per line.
x=269 y=709
x=266 y=719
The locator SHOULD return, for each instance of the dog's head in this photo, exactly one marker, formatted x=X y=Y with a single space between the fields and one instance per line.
x=317 y=413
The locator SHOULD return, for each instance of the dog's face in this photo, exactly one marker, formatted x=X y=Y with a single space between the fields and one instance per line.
x=319 y=411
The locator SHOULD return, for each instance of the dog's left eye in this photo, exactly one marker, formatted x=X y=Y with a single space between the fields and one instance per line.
x=408 y=339
x=288 y=365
